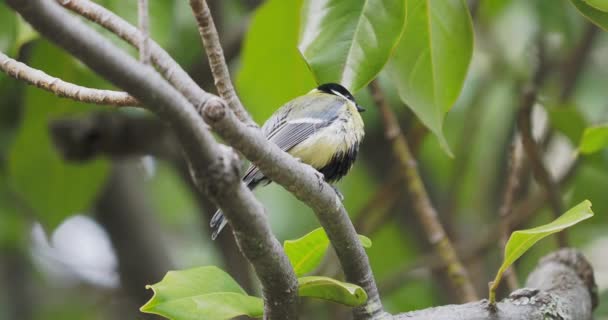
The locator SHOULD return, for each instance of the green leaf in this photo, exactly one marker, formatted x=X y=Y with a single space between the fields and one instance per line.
x=569 y=121
x=349 y=42
x=51 y=187
x=596 y=16
x=273 y=71
x=522 y=240
x=601 y=5
x=332 y=290
x=306 y=252
x=594 y=139
x=431 y=61
x=203 y=292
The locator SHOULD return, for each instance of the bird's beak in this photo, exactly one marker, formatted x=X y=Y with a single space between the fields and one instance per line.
x=359 y=108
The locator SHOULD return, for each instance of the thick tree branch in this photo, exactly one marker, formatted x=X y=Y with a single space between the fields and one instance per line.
x=561 y=287
x=217 y=62
x=38 y=78
x=427 y=215
x=215 y=169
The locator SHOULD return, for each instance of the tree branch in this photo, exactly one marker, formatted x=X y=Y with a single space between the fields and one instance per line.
x=217 y=62
x=280 y=167
x=167 y=66
x=305 y=183
x=524 y=122
x=38 y=78
x=118 y=135
x=144 y=28
x=214 y=168
x=561 y=287
x=506 y=208
x=427 y=215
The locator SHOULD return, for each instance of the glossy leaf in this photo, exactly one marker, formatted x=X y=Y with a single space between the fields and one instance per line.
x=53 y=188
x=600 y=18
x=431 y=61
x=332 y=290
x=306 y=252
x=594 y=139
x=601 y=5
x=569 y=121
x=522 y=240
x=204 y=292
x=349 y=42
x=272 y=70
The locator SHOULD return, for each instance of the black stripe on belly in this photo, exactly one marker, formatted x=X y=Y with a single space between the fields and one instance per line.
x=340 y=164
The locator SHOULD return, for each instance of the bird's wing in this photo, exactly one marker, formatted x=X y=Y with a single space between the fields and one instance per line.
x=290 y=126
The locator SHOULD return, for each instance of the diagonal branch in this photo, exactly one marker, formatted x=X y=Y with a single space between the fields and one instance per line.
x=214 y=168
x=427 y=215
x=217 y=62
x=38 y=78
x=144 y=28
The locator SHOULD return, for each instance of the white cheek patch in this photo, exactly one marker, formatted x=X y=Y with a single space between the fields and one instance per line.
x=339 y=94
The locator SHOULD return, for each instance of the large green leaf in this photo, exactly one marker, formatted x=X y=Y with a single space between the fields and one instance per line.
x=51 y=187
x=272 y=72
x=350 y=41
x=332 y=290
x=306 y=252
x=201 y=293
x=596 y=16
x=431 y=61
x=594 y=139
x=601 y=5
x=522 y=240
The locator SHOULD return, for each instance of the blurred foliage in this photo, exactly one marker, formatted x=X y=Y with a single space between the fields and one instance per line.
x=36 y=184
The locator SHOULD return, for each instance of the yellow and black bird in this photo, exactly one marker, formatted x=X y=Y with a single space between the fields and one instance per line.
x=322 y=128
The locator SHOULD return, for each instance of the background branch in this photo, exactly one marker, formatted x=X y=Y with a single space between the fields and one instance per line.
x=427 y=215
x=38 y=78
x=144 y=28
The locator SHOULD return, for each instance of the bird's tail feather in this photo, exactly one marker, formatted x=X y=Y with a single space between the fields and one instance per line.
x=218 y=222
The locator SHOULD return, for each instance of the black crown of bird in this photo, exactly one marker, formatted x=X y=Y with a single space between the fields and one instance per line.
x=322 y=128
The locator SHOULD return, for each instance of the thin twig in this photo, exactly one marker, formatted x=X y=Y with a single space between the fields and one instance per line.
x=574 y=63
x=533 y=151
x=427 y=215
x=215 y=168
x=216 y=58
x=144 y=28
x=167 y=66
x=38 y=78
x=506 y=208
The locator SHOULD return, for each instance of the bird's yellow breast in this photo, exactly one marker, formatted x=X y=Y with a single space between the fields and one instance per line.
x=320 y=148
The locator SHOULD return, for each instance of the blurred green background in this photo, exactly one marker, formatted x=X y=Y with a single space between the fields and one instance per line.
x=53 y=268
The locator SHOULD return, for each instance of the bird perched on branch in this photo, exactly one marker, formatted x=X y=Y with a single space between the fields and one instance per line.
x=322 y=128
